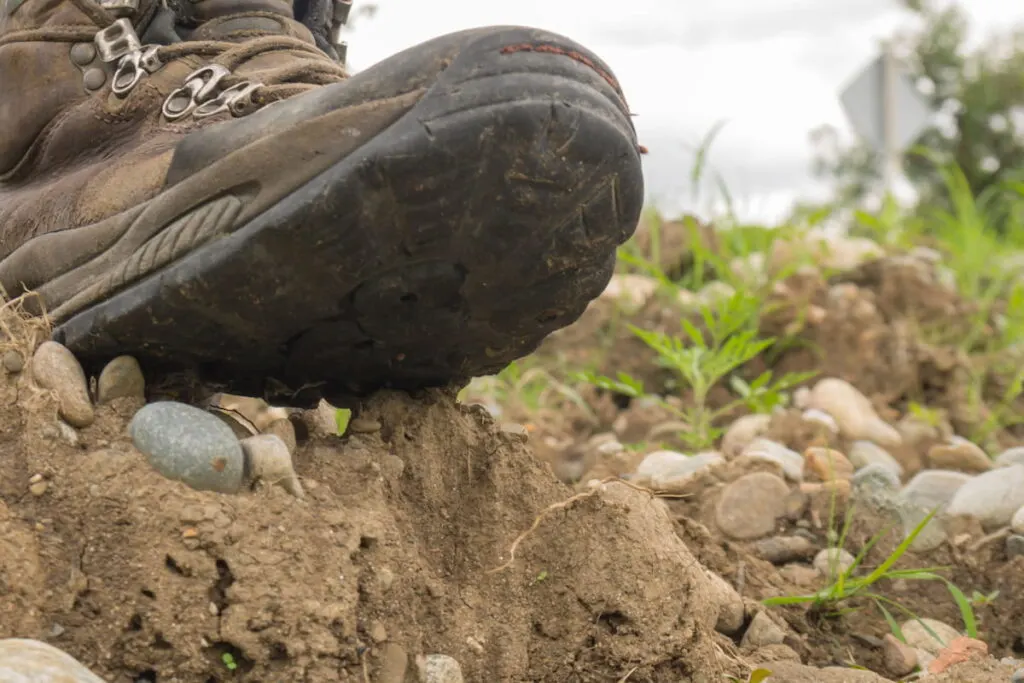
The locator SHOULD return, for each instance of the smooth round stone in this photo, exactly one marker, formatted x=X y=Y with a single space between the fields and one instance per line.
x=121 y=378
x=28 y=661
x=1018 y=676
x=865 y=453
x=440 y=669
x=189 y=445
x=791 y=462
x=1011 y=456
x=992 y=498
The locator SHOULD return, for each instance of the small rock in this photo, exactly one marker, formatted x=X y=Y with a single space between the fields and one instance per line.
x=32 y=660
x=439 y=669
x=761 y=632
x=1018 y=676
x=800 y=575
x=38 y=488
x=190 y=445
x=900 y=659
x=394 y=664
x=750 y=506
x=742 y=432
x=54 y=367
x=928 y=490
x=67 y=433
x=363 y=425
x=385 y=579
x=822 y=418
x=514 y=430
x=1015 y=545
x=1017 y=521
x=121 y=378
x=833 y=561
x=960 y=650
x=630 y=290
x=827 y=464
x=378 y=632
x=876 y=479
x=1011 y=456
x=917 y=636
x=267 y=459
x=959 y=455
x=865 y=453
x=853 y=412
x=992 y=498
x=284 y=429
x=675 y=480
x=784 y=549
x=792 y=463
x=731 y=612
x=13 y=361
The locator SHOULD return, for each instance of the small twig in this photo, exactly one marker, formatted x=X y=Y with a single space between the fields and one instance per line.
x=985 y=540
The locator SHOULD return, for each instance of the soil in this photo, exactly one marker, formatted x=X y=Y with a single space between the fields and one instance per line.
x=403 y=546
x=390 y=556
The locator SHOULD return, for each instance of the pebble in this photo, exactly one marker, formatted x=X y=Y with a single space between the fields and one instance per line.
x=267 y=459
x=1011 y=456
x=121 y=378
x=761 y=632
x=394 y=664
x=792 y=463
x=822 y=418
x=1018 y=676
x=865 y=453
x=683 y=472
x=900 y=659
x=1015 y=545
x=962 y=649
x=630 y=290
x=827 y=464
x=284 y=429
x=1017 y=521
x=190 y=445
x=363 y=425
x=800 y=575
x=784 y=549
x=919 y=638
x=877 y=481
x=959 y=455
x=54 y=367
x=731 y=612
x=38 y=488
x=992 y=498
x=32 y=660
x=749 y=507
x=13 y=361
x=853 y=412
x=743 y=431
x=833 y=561
x=439 y=669
x=928 y=490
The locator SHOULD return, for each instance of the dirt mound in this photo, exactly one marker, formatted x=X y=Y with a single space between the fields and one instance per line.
x=389 y=557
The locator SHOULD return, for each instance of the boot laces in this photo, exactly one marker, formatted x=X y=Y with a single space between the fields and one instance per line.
x=214 y=88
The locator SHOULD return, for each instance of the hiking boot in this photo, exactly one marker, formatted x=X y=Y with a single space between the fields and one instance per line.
x=200 y=184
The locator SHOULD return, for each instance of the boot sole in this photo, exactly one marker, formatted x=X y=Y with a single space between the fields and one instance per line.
x=443 y=249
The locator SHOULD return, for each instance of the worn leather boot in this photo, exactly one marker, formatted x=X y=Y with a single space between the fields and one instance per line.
x=199 y=183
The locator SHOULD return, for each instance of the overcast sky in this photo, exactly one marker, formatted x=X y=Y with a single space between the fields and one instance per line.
x=771 y=68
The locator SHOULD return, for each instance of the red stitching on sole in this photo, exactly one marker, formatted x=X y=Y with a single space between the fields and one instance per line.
x=571 y=54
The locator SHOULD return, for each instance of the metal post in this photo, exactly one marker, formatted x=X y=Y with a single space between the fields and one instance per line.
x=891 y=160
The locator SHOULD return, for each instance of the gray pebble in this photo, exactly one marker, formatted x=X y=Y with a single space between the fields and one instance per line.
x=1012 y=456
x=13 y=362
x=189 y=445
x=762 y=631
x=792 y=463
x=865 y=453
x=992 y=498
x=784 y=549
x=1015 y=546
x=928 y=490
x=439 y=669
x=1018 y=676
x=121 y=378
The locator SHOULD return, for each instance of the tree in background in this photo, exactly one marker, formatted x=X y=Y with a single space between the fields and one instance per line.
x=980 y=93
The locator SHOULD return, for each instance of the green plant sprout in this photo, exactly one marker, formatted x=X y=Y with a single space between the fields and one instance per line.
x=701 y=360
x=229 y=661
